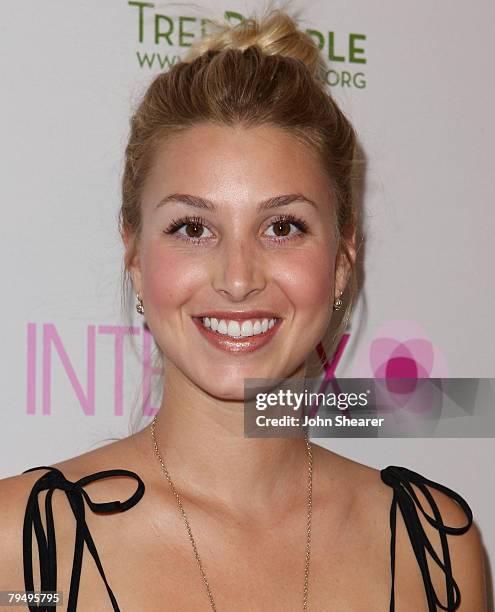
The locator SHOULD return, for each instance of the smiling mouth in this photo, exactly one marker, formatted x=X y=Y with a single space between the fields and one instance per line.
x=238 y=329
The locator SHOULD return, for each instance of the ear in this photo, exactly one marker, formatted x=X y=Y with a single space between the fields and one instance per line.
x=131 y=259
x=346 y=251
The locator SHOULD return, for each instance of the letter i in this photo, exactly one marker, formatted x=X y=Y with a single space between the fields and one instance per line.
x=31 y=368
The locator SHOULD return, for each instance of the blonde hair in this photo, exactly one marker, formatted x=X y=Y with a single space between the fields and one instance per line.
x=260 y=71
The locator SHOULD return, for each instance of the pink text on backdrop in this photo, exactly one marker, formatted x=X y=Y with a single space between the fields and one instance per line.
x=85 y=394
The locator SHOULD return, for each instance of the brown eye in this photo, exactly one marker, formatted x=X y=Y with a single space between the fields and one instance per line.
x=194 y=230
x=281 y=228
x=189 y=229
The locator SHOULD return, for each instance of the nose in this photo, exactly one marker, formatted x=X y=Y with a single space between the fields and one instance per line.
x=239 y=270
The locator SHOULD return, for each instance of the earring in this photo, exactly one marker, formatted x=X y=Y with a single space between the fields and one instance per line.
x=337 y=304
x=139 y=305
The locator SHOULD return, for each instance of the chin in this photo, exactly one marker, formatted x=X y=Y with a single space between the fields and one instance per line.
x=228 y=390
x=226 y=382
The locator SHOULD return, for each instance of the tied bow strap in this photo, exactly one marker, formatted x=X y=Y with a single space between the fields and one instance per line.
x=47 y=551
x=401 y=479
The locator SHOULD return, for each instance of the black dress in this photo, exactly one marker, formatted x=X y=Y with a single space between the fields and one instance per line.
x=399 y=478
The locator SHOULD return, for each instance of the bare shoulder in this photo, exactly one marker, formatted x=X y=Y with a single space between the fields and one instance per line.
x=372 y=504
x=15 y=492
x=464 y=548
x=465 y=552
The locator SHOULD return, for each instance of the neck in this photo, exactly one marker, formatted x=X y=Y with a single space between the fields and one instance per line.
x=202 y=443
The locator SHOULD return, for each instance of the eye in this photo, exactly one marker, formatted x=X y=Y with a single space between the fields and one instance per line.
x=194 y=228
x=282 y=228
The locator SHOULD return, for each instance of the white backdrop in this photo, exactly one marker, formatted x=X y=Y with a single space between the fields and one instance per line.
x=415 y=81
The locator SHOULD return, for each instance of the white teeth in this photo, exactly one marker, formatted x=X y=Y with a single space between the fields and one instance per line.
x=247 y=328
x=233 y=329
x=222 y=327
x=236 y=329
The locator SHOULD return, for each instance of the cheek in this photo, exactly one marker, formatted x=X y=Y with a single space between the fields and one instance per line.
x=168 y=276
x=306 y=277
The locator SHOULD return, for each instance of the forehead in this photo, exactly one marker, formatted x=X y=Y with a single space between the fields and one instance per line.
x=224 y=162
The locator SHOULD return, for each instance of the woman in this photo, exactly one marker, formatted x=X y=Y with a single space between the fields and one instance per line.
x=240 y=232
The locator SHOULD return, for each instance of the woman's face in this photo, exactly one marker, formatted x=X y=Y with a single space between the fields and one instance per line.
x=237 y=227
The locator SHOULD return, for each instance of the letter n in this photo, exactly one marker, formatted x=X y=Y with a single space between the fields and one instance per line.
x=51 y=337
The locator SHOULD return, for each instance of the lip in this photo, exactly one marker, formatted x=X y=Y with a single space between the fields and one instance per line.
x=238 y=315
x=236 y=345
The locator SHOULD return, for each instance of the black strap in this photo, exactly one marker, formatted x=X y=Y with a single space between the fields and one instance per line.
x=401 y=479
x=47 y=550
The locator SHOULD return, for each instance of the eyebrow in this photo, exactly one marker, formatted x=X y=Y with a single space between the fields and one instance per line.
x=198 y=202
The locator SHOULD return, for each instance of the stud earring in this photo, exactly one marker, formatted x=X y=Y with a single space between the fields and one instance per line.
x=139 y=305
x=337 y=303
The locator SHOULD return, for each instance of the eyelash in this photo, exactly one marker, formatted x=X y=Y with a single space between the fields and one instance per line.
x=176 y=224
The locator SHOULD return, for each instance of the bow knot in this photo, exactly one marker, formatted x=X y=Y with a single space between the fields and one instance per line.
x=54 y=479
x=401 y=480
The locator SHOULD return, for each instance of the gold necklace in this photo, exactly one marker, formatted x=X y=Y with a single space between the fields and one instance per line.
x=191 y=538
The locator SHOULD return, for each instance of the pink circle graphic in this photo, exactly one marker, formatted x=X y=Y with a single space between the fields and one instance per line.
x=401 y=354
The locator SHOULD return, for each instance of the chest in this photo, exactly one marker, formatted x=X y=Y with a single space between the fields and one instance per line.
x=246 y=572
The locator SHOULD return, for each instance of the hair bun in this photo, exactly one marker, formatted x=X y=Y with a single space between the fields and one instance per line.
x=275 y=33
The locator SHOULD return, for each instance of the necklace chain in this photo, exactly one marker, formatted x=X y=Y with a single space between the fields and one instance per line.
x=307 y=555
